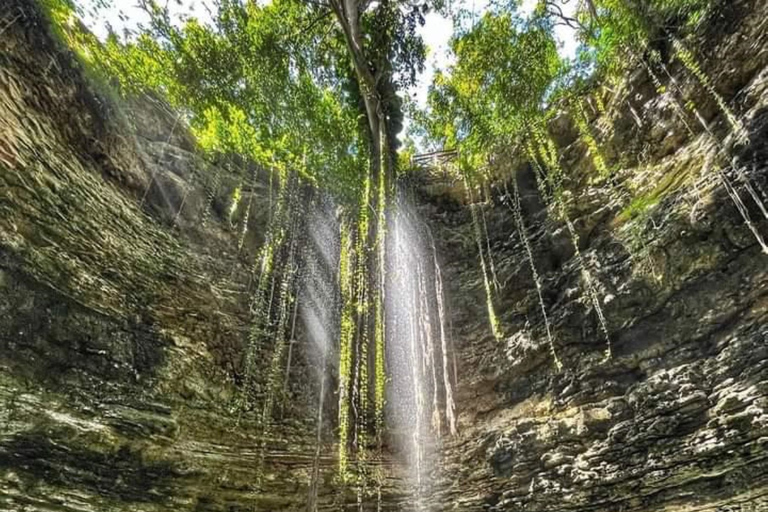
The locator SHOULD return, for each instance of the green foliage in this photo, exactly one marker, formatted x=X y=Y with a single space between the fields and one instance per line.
x=507 y=71
x=261 y=81
x=61 y=13
x=549 y=176
x=379 y=376
x=517 y=212
x=622 y=28
x=582 y=124
x=393 y=39
x=346 y=273
x=690 y=62
x=288 y=85
x=493 y=320
x=499 y=82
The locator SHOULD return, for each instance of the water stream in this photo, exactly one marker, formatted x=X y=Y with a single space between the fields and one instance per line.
x=420 y=401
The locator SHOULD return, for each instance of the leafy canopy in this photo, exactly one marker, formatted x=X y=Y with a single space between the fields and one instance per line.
x=507 y=78
x=292 y=83
x=504 y=69
x=271 y=82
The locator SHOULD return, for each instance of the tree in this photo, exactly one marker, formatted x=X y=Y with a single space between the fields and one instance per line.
x=254 y=82
x=380 y=38
x=499 y=84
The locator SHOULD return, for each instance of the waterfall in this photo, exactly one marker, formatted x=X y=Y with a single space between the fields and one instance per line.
x=319 y=314
x=420 y=406
x=522 y=232
x=553 y=176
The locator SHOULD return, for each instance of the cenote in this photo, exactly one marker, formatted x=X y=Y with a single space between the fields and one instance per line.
x=351 y=255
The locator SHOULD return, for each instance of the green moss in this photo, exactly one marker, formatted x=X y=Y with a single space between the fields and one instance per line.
x=638 y=206
x=493 y=320
x=692 y=65
x=670 y=183
x=346 y=273
x=59 y=12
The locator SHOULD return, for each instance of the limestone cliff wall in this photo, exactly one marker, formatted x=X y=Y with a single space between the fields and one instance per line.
x=676 y=419
x=123 y=303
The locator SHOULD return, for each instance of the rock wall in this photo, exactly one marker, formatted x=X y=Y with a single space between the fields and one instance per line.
x=676 y=419
x=124 y=303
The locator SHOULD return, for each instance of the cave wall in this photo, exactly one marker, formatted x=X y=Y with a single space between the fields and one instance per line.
x=676 y=419
x=124 y=303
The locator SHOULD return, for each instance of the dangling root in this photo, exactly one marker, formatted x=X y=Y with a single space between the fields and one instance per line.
x=517 y=210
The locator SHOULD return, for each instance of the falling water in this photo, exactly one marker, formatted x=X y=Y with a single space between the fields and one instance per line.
x=491 y=264
x=419 y=393
x=679 y=110
x=518 y=214
x=492 y=318
x=548 y=153
x=405 y=390
x=319 y=314
x=737 y=129
x=689 y=61
x=419 y=388
x=739 y=203
x=260 y=307
x=428 y=348
x=210 y=195
x=247 y=217
x=274 y=394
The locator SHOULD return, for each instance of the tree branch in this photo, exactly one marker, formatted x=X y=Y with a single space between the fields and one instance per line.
x=318 y=3
x=553 y=8
x=315 y=21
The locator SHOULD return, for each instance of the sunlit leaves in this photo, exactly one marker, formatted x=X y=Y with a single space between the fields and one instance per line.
x=623 y=28
x=259 y=80
x=503 y=72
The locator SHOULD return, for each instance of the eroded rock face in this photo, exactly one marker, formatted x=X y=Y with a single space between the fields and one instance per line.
x=676 y=419
x=124 y=305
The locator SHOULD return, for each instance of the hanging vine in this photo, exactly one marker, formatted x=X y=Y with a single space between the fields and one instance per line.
x=522 y=231
x=553 y=178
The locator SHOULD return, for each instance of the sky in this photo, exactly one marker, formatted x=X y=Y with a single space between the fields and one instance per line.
x=125 y=14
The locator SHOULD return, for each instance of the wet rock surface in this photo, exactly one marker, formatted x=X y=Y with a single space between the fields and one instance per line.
x=124 y=305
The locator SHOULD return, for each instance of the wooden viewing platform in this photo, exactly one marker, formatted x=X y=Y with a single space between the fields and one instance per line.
x=434 y=159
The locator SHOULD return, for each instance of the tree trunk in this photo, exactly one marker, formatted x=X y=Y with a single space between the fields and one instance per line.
x=592 y=9
x=348 y=16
